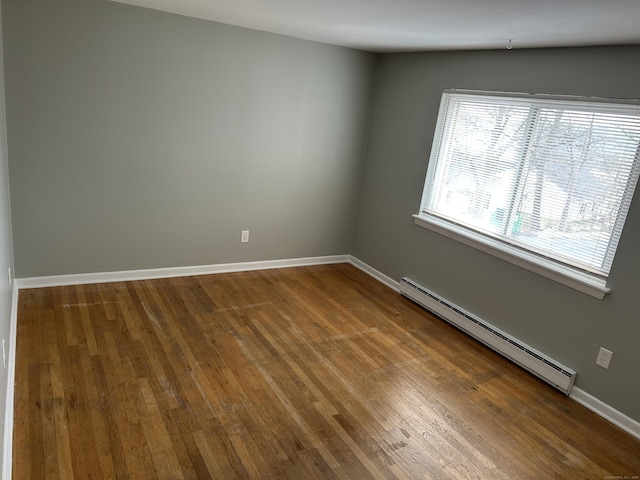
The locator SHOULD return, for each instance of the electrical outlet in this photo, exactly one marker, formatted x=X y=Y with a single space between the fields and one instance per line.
x=604 y=357
x=244 y=237
x=9 y=275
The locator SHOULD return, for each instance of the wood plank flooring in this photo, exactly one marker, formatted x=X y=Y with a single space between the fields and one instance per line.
x=301 y=373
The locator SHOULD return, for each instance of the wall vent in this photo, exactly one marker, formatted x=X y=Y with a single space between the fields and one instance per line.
x=530 y=359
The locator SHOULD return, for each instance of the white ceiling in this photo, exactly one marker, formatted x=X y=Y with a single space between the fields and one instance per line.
x=409 y=25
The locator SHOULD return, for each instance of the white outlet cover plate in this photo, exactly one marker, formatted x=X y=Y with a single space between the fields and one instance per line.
x=604 y=357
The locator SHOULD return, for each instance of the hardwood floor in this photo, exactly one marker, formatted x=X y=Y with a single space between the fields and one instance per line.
x=301 y=373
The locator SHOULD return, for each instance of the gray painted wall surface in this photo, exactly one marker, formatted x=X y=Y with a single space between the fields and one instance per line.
x=565 y=324
x=6 y=256
x=140 y=139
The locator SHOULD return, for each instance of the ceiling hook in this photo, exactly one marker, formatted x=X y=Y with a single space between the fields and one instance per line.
x=509 y=45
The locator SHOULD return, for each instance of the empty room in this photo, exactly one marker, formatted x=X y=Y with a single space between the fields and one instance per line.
x=320 y=240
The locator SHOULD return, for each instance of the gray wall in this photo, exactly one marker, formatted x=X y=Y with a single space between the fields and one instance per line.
x=565 y=324
x=6 y=257
x=140 y=139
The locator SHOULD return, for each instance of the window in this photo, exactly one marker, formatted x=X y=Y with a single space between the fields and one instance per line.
x=542 y=181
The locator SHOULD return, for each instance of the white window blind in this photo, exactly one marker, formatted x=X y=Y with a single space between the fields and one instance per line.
x=553 y=176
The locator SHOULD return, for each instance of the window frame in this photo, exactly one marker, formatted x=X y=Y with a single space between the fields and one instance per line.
x=584 y=281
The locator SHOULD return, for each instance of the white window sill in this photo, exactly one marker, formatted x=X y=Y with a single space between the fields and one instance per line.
x=573 y=278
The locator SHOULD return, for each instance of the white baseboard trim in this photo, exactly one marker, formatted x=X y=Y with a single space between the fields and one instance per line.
x=607 y=412
x=7 y=453
x=381 y=277
x=597 y=406
x=155 y=273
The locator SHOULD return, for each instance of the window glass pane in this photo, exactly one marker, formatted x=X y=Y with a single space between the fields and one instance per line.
x=554 y=177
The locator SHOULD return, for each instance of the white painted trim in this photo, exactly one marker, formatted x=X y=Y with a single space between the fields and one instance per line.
x=7 y=454
x=154 y=273
x=571 y=277
x=381 y=277
x=607 y=412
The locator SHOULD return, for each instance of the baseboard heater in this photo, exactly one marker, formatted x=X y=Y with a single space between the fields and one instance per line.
x=528 y=358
